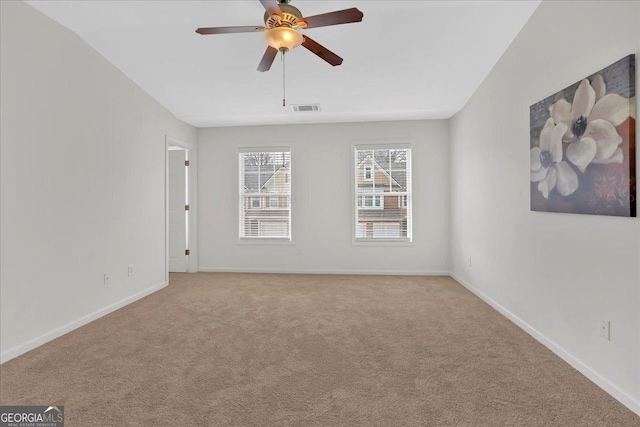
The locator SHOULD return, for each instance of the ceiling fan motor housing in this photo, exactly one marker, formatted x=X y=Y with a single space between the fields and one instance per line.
x=290 y=17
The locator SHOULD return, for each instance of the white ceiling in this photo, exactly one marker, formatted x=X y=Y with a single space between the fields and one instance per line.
x=405 y=60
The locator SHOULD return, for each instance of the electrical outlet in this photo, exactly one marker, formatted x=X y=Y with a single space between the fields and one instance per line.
x=469 y=260
x=130 y=270
x=604 y=329
x=299 y=251
x=106 y=278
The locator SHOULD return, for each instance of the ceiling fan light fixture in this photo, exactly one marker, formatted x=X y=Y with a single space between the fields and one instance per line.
x=283 y=38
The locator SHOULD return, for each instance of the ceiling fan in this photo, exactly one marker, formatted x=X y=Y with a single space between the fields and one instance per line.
x=282 y=25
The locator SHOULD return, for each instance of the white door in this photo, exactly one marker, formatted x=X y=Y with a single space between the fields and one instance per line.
x=177 y=211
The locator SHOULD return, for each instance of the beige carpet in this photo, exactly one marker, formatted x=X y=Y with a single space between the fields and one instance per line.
x=296 y=350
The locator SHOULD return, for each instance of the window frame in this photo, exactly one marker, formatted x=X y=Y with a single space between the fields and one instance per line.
x=370 y=241
x=257 y=240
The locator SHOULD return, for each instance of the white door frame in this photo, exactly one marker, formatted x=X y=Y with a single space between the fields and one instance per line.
x=192 y=260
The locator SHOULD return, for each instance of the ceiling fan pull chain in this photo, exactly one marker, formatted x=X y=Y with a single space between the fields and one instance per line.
x=283 y=80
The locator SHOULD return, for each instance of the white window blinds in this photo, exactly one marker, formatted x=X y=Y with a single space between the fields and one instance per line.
x=265 y=194
x=382 y=193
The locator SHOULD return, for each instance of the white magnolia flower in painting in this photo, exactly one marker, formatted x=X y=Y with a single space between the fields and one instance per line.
x=591 y=122
x=547 y=167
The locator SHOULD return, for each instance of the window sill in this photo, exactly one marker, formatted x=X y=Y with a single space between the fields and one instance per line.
x=382 y=242
x=265 y=241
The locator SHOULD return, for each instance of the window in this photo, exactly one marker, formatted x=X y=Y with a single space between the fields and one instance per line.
x=370 y=202
x=265 y=192
x=383 y=193
x=368 y=173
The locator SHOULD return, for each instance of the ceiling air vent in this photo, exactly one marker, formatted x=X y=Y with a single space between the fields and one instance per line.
x=302 y=108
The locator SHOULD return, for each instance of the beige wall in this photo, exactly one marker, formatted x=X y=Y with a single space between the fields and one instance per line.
x=83 y=182
x=557 y=275
x=322 y=200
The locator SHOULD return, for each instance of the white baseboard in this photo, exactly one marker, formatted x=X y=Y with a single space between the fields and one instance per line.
x=303 y=271
x=618 y=394
x=50 y=336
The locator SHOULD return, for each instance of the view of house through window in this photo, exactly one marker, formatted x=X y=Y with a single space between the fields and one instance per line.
x=265 y=194
x=383 y=193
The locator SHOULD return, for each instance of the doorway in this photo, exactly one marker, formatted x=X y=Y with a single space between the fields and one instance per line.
x=180 y=210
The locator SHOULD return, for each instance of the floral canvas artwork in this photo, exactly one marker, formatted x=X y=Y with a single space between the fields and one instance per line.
x=582 y=149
